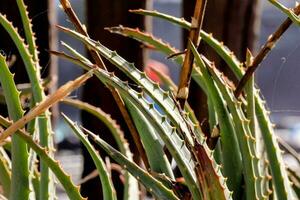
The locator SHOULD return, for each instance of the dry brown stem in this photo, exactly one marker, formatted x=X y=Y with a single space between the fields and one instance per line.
x=61 y=93
x=186 y=70
x=270 y=43
x=118 y=99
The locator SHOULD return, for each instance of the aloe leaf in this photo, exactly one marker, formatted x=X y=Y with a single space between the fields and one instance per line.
x=10 y=91
x=146 y=38
x=161 y=97
x=107 y=185
x=131 y=185
x=75 y=53
x=230 y=148
x=38 y=95
x=212 y=117
x=219 y=47
x=157 y=159
x=167 y=17
x=152 y=185
x=65 y=180
x=25 y=89
x=280 y=179
x=278 y=171
x=289 y=12
x=30 y=39
x=26 y=57
x=267 y=178
x=28 y=29
x=246 y=140
x=149 y=140
x=168 y=134
x=250 y=87
x=213 y=176
x=168 y=81
x=279 y=175
x=171 y=87
x=250 y=111
x=5 y=172
x=157 y=122
x=35 y=181
x=20 y=172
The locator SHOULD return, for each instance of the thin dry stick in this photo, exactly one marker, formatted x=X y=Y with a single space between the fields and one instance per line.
x=272 y=40
x=176 y=54
x=118 y=99
x=81 y=29
x=186 y=70
x=61 y=93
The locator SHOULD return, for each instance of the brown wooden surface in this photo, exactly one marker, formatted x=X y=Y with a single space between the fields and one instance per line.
x=101 y=14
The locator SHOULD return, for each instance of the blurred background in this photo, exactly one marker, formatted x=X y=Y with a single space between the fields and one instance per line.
x=240 y=24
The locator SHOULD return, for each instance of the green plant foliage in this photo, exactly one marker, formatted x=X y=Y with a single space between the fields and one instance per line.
x=20 y=172
x=153 y=185
x=71 y=189
x=5 y=172
x=154 y=150
x=28 y=54
x=107 y=186
x=131 y=185
x=245 y=163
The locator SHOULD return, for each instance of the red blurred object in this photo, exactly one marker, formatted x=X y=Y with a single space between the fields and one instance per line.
x=158 y=66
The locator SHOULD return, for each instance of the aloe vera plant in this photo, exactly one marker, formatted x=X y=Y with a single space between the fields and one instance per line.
x=245 y=163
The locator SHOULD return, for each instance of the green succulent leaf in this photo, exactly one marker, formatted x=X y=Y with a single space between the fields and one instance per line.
x=131 y=191
x=278 y=171
x=107 y=185
x=20 y=173
x=47 y=182
x=230 y=148
x=287 y=11
x=152 y=185
x=5 y=172
x=246 y=140
x=157 y=159
x=65 y=180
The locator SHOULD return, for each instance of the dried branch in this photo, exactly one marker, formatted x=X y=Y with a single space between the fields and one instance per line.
x=186 y=71
x=81 y=29
x=272 y=40
x=61 y=93
x=176 y=54
x=117 y=97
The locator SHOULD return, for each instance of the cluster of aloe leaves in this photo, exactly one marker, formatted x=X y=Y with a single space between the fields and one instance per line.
x=246 y=162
